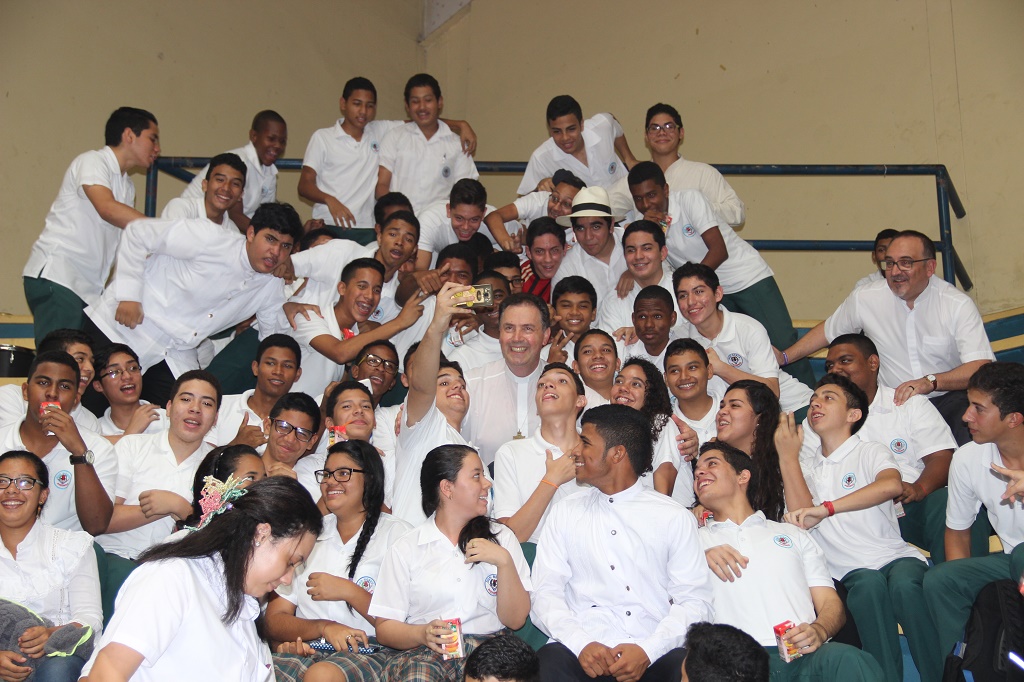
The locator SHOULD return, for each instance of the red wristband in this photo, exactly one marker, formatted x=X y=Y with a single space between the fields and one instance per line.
x=829 y=507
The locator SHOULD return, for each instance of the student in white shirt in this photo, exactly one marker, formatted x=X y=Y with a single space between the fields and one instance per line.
x=457 y=563
x=688 y=373
x=596 y=360
x=222 y=191
x=882 y=241
x=575 y=303
x=70 y=261
x=377 y=363
x=292 y=429
x=619 y=573
x=850 y=486
x=784 y=576
x=119 y=380
x=985 y=472
x=425 y=158
x=156 y=471
x=545 y=244
x=598 y=252
x=531 y=474
x=455 y=218
x=929 y=334
x=268 y=139
x=654 y=316
x=591 y=149
x=178 y=282
x=483 y=346
x=330 y=596
x=48 y=570
x=643 y=245
x=195 y=601
x=529 y=207
x=737 y=345
x=82 y=463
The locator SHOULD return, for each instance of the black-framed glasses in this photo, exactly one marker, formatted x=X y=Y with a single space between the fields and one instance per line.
x=341 y=475
x=284 y=428
x=903 y=264
x=669 y=127
x=115 y=374
x=390 y=366
x=21 y=482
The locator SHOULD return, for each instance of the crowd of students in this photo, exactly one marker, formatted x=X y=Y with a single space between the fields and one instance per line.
x=633 y=404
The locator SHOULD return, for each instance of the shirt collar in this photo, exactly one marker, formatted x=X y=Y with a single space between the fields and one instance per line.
x=848 y=446
x=755 y=520
x=625 y=495
x=429 y=532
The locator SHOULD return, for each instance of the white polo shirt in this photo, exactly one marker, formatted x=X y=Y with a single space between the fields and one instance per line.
x=425 y=170
x=194 y=208
x=744 y=344
x=478 y=350
x=603 y=166
x=107 y=427
x=60 y=509
x=387 y=308
x=685 y=174
x=436 y=230
x=614 y=312
x=229 y=419
x=346 y=168
x=638 y=350
x=260 y=181
x=666 y=449
x=869 y=538
x=972 y=483
x=13 y=408
x=943 y=330
x=705 y=427
x=425 y=577
x=76 y=247
x=910 y=431
x=785 y=563
x=318 y=371
x=331 y=555
x=170 y=613
x=500 y=405
x=414 y=442
x=604 y=276
x=192 y=282
x=146 y=462
x=535 y=205
x=621 y=568
x=519 y=466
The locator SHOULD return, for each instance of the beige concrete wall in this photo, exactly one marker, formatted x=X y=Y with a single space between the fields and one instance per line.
x=918 y=81
x=203 y=68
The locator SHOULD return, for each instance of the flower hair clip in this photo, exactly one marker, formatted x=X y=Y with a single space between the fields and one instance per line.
x=217 y=497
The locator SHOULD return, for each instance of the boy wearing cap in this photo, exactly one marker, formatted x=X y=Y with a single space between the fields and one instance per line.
x=598 y=252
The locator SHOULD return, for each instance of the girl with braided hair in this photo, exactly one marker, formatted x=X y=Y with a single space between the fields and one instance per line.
x=330 y=596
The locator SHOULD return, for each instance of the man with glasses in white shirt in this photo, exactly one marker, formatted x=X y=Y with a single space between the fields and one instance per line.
x=291 y=431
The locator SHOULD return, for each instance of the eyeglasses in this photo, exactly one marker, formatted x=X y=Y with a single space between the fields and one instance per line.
x=669 y=127
x=21 y=482
x=372 y=360
x=903 y=264
x=284 y=428
x=341 y=475
x=516 y=281
x=115 y=374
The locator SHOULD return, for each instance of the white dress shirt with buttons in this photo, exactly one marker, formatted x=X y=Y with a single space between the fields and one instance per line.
x=603 y=165
x=260 y=181
x=425 y=170
x=501 y=405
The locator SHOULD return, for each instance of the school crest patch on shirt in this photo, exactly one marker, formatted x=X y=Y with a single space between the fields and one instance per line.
x=367 y=583
x=612 y=167
x=735 y=359
x=62 y=479
x=849 y=480
x=689 y=230
x=491 y=584
x=898 y=446
x=783 y=541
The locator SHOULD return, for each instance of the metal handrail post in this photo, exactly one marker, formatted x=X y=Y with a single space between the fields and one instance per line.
x=151 y=179
x=945 y=233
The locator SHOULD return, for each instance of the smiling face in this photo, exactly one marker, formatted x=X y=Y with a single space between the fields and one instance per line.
x=452 y=397
x=360 y=295
x=488 y=316
x=19 y=508
x=522 y=336
x=653 y=321
x=829 y=413
x=270 y=142
x=223 y=189
x=276 y=371
x=396 y=243
x=845 y=359
x=736 y=420
x=83 y=356
x=468 y=494
x=687 y=376
x=594 y=235
x=465 y=220
x=275 y=560
x=714 y=479
x=644 y=257
x=382 y=377
x=592 y=465
x=560 y=200
x=266 y=248
x=286 y=447
x=663 y=136
x=697 y=301
x=546 y=255
x=343 y=499
x=51 y=382
x=125 y=389
x=354 y=411
x=630 y=388
x=598 y=361
x=908 y=284
x=459 y=272
x=649 y=196
x=567 y=132
x=359 y=108
x=424 y=107
x=192 y=411
x=577 y=313
x=556 y=394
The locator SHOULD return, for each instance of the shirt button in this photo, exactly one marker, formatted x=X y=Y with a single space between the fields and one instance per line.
x=209 y=314
x=613 y=568
x=627 y=588
x=629 y=613
x=610 y=500
x=615 y=532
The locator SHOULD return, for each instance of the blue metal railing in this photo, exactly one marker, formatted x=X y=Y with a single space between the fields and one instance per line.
x=946 y=195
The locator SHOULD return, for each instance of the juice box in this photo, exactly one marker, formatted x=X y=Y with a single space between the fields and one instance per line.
x=455 y=648
x=787 y=652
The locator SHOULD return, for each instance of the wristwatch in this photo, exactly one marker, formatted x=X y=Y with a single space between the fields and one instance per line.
x=86 y=457
x=935 y=381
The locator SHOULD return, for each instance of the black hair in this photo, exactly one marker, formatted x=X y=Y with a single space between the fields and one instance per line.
x=311 y=237
x=644 y=171
x=524 y=299
x=887 y=233
x=927 y=245
x=591 y=332
x=737 y=459
x=220 y=463
x=409 y=352
x=662 y=108
x=358 y=83
x=1003 y=383
x=380 y=343
x=102 y=357
x=541 y=226
x=574 y=284
x=389 y=200
x=279 y=217
x=460 y=251
x=481 y=247
x=765 y=493
x=470 y=192
x=62 y=339
x=699 y=270
x=138 y=120
x=298 y=402
x=279 y=501
x=368 y=459
x=687 y=345
x=577 y=382
x=621 y=425
x=501 y=259
x=335 y=395
x=422 y=80
x=280 y=341
x=42 y=471
x=266 y=117
x=493 y=274
x=856 y=398
x=563 y=105
x=349 y=271
x=57 y=357
x=861 y=342
x=566 y=177
x=655 y=292
x=657 y=402
x=723 y=653
x=506 y=658
x=197 y=375
x=444 y=463
x=651 y=228
x=404 y=216
x=230 y=160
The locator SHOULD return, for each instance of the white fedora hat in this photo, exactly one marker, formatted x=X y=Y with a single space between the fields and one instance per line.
x=590 y=201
